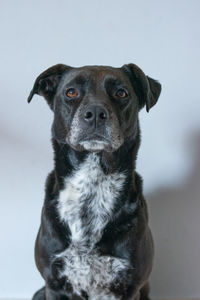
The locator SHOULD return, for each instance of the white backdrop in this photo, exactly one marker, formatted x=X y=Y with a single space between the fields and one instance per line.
x=162 y=37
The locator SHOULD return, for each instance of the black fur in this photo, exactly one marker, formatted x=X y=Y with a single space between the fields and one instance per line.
x=127 y=235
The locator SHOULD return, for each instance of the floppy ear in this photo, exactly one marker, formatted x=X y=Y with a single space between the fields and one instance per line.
x=47 y=83
x=147 y=89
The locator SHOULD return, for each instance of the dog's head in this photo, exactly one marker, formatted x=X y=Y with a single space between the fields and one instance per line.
x=96 y=107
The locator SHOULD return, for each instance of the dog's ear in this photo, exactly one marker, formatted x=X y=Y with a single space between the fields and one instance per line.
x=147 y=89
x=47 y=82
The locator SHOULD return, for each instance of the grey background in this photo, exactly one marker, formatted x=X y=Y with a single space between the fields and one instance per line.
x=162 y=37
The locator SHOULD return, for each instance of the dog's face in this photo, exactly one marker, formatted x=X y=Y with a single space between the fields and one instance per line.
x=96 y=107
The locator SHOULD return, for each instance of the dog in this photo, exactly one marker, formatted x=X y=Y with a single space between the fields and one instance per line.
x=94 y=241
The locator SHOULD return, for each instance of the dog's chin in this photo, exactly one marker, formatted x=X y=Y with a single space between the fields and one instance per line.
x=92 y=146
x=96 y=146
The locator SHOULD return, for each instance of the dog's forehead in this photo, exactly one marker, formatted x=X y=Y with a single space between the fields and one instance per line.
x=95 y=73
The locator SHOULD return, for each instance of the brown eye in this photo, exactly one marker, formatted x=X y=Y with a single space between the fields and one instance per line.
x=71 y=93
x=121 y=93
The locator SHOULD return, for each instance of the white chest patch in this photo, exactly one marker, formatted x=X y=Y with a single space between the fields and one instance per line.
x=92 y=193
x=86 y=205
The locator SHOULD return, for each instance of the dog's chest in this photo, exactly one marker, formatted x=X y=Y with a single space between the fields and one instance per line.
x=86 y=203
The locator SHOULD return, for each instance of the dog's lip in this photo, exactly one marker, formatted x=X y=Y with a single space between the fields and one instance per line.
x=95 y=138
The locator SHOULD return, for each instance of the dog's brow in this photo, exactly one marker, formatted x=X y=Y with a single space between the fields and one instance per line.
x=79 y=79
x=111 y=80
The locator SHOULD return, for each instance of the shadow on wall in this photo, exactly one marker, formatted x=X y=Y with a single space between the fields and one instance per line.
x=175 y=223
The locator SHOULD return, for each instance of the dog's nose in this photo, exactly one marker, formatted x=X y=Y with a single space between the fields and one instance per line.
x=95 y=114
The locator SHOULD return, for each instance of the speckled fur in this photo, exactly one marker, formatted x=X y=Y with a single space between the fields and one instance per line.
x=88 y=271
x=90 y=191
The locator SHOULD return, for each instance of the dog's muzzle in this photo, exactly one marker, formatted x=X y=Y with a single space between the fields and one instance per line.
x=94 y=129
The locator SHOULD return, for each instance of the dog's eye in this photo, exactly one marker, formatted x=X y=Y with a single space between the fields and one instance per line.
x=71 y=93
x=121 y=93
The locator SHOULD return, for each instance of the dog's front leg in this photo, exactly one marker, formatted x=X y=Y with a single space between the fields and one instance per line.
x=55 y=295
x=52 y=295
x=57 y=282
x=111 y=296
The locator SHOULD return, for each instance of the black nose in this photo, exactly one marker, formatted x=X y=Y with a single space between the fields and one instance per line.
x=95 y=114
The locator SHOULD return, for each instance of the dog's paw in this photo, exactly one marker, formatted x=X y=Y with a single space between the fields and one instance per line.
x=118 y=287
x=120 y=284
x=60 y=284
x=57 y=280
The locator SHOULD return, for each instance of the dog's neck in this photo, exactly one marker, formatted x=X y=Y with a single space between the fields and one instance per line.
x=123 y=160
x=91 y=186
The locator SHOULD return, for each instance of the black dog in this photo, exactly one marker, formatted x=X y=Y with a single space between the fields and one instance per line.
x=94 y=241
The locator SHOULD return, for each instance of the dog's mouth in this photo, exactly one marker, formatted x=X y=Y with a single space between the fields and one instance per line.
x=95 y=143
